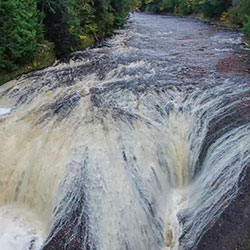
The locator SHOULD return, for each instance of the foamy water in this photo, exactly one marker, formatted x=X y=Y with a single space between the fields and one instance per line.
x=20 y=229
x=127 y=146
x=4 y=111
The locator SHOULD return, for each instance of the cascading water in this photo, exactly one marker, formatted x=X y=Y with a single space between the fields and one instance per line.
x=133 y=145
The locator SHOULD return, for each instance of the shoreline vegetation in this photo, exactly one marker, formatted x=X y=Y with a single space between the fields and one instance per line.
x=233 y=14
x=217 y=22
x=37 y=32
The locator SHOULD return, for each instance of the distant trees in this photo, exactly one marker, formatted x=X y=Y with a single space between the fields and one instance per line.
x=236 y=11
x=210 y=8
x=69 y=24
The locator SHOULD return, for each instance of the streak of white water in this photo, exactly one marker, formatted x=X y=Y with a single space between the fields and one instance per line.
x=4 y=112
x=217 y=182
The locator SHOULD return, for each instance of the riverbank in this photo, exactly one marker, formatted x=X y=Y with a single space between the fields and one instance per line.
x=223 y=22
x=33 y=33
x=45 y=57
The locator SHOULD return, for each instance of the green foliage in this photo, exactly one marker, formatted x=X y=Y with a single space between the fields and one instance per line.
x=213 y=8
x=246 y=26
x=121 y=10
x=62 y=25
x=73 y=24
x=69 y=24
x=210 y=8
x=19 y=22
x=240 y=12
x=104 y=17
x=167 y=5
x=44 y=57
x=143 y=5
x=185 y=7
x=159 y=6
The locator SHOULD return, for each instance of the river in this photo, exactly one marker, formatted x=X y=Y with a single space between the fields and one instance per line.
x=137 y=144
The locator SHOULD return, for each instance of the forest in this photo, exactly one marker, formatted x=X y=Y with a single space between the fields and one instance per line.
x=35 y=32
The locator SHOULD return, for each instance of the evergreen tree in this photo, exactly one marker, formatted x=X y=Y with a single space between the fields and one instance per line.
x=62 y=25
x=214 y=8
x=121 y=9
x=19 y=28
x=69 y=24
x=104 y=17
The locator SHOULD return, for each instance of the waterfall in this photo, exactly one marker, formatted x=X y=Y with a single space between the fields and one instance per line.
x=109 y=152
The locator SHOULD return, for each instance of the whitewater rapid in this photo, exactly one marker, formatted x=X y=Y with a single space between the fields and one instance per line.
x=136 y=144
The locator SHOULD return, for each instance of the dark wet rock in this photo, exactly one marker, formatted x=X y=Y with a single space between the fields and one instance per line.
x=60 y=108
x=72 y=230
x=232 y=230
x=235 y=64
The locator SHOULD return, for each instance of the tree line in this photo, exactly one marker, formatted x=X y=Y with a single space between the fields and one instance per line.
x=232 y=11
x=29 y=26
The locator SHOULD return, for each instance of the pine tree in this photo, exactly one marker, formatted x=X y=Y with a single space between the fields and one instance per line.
x=121 y=9
x=19 y=22
x=62 y=24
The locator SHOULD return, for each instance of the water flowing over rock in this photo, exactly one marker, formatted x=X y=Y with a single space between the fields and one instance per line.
x=137 y=144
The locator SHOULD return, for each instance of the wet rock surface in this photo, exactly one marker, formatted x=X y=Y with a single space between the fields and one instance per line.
x=236 y=64
x=232 y=229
